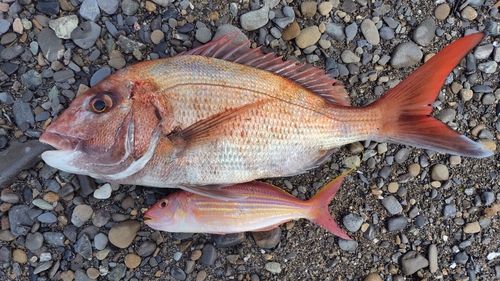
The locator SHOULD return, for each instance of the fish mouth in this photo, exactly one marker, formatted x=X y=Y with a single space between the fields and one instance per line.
x=60 y=141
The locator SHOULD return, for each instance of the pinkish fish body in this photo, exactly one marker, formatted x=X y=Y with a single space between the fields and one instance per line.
x=262 y=207
x=210 y=118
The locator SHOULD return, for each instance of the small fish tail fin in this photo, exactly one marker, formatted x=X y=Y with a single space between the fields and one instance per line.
x=320 y=214
x=405 y=110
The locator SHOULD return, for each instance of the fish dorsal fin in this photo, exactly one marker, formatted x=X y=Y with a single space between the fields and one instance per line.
x=309 y=77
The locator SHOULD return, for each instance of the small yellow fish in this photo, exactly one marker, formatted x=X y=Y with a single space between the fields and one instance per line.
x=210 y=118
x=263 y=207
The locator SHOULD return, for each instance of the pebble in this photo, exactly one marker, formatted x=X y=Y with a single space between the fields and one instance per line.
x=335 y=31
x=108 y=6
x=447 y=115
x=442 y=11
x=209 y=255
x=55 y=239
x=203 y=34
x=405 y=55
x=42 y=267
x=117 y=273
x=100 y=241
x=351 y=30
x=4 y=26
x=291 y=31
x=352 y=222
x=461 y=258
x=178 y=273
x=308 y=37
x=472 y=227
x=47 y=218
x=128 y=45
x=19 y=219
x=103 y=192
x=440 y=172
x=348 y=245
x=425 y=32
x=81 y=214
x=348 y=56
x=34 y=241
x=483 y=52
x=129 y=7
x=396 y=223
x=488 y=198
x=48 y=8
x=132 y=261
x=254 y=20
x=386 y=33
x=147 y=248
x=373 y=277
x=99 y=75
x=370 y=32
x=50 y=44
x=488 y=67
x=392 y=205
x=273 y=267
x=12 y=52
x=229 y=240
x=85 y=35
x=469 y=13
x=449 y=211
x=433 y=258
x=267 y=239
x=89 y=10
x=402 y=155
x=19 y=256
x=122 y=234
x=308 y=8
x=83 y=247
x=412 y=262
x=324 y=8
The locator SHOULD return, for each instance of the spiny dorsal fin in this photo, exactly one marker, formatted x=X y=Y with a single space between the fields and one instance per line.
x=309 y=77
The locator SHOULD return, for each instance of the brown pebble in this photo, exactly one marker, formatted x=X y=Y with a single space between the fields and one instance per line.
x=308 y=8
x=442 y=11
x=291 y=31
x=157 y=36
x=373 y=277
x=19 y=256
x=51 y=197
x=196 y=255
x=267 y=239
x=67 y=275
x=469 y=13
x=122 y=234
x=132 y=261
x=93 y=273
x=472 y=227
x=150 y=6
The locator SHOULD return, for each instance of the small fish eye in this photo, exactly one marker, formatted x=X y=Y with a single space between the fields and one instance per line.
x=163 y=204
x=101 y=104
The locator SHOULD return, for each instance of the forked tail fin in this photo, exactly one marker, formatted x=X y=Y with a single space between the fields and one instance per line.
x=406 y=107
x=320 y=214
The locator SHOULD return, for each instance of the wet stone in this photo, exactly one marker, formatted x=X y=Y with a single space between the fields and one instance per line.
x=229 y=240
x=178 y=273
x=392 y=205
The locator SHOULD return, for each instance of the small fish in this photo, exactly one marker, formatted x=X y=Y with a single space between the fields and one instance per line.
x=223 y=114
x=264 y=207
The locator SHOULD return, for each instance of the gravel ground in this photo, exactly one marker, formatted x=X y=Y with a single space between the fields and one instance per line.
x=413 y=214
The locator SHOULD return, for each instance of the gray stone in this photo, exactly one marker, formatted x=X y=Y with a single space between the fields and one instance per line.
x=147 y=248
x=449 y=211
x=483 y=52
x=128 y=45
x=348 y=245
x=12 y=52
x=351 y=31
x=488 y=67
x=55 y=239
x=63 y=75
x=47 y=218
x=99 y=75
x=203 y=35
x=402 y=155
x=273 y=267
x=31 y=79
x=117 y=273
x=6 y=97
x=349 y=57
x=51 y=46
x=89 y=10
x=461 y=258
x=352 y=222
x=488 y=198
x=396 y=223
x=386 y=33
x=34 y=241
x=63 y=26
x=209 y=255
x=255 y=19
x=100 y=241
x=86 y=34
x=447 y=115
x=130 y=7
x=24 y=156
x=81 y=214
x=83 y=247
x=19 y=219
x=440 y=172
x=178 y=273
x=425 y=32
x=433 y=258
x=4 y=26
x=108 y=6
x=42 y=267
x=412 y=262
x=392 y=205
x=335 y=31
x=229 y=240
x=406 y=54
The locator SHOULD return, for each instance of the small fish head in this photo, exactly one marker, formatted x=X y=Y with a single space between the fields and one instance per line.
x=96 y=135
x=162 y=215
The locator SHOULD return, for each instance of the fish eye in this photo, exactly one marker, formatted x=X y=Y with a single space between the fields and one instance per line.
x=163 y=204
x=101 y=103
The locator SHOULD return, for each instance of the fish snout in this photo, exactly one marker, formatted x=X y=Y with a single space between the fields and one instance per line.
x=59 y=141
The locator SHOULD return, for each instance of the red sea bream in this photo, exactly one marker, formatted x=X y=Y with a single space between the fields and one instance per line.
x=223 y=114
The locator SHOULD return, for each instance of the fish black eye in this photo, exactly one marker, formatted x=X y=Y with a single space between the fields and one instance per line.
x=101 y=104
x=163 y=204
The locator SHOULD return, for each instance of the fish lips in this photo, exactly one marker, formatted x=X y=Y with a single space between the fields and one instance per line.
x=59 y=141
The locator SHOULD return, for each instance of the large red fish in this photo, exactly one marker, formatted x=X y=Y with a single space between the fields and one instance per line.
x=221 y=114
x=262 y=208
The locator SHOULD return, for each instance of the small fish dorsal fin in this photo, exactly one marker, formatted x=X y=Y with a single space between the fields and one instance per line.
x=309 y=77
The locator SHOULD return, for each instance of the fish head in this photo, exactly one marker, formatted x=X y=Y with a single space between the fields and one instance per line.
x=165 y=215
x=98 y=135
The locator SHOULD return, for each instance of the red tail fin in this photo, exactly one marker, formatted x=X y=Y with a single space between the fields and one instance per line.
x=406 y=107
x=320 y=214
